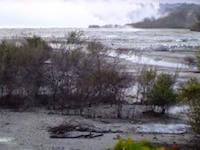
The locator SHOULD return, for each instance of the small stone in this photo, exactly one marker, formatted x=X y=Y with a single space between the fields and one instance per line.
x=117 y=137
x=155 y=138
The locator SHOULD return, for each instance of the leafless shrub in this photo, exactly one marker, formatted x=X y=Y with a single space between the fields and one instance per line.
x=189 y=60
x=75 y=37
x=78 y=77
x=86 y=78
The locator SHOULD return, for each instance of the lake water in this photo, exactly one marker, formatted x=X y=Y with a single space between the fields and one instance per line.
x=144 y=39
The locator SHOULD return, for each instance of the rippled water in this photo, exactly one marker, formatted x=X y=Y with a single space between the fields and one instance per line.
x=157 y=39
x=148 y=61
x=5 y=139
x=162 y=128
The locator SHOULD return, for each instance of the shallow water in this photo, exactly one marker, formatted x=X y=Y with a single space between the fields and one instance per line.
x=6 y=139
x=149 y=61
x=162 y=128
x=174 y=110
x=144 y=39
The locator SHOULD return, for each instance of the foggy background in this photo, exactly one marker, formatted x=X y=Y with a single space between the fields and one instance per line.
x=77 y=13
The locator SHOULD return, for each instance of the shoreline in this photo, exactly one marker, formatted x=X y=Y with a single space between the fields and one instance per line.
x=29 y=130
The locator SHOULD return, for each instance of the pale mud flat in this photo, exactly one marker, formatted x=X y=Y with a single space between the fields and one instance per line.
x=28 y=131
x=175 y=62
x=163 y=61
x=169 y=59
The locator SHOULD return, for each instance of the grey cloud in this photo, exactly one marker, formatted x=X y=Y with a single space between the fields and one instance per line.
x=180 y=1
x=80 y=13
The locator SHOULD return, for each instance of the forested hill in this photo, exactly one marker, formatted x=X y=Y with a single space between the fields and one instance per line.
x=174 y=16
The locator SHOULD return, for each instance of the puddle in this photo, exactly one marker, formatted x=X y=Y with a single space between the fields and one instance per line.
x=6 y=139
x=162 y=128
x=179 y=110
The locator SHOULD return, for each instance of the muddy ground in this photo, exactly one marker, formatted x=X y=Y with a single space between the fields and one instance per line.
x=29 y=131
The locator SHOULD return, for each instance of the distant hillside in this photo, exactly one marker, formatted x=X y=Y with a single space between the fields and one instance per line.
x=196 y=26
x=168 y=8
x=176 y=16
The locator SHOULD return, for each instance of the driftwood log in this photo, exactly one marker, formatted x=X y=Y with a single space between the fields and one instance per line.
x=78 y=130
x=75 y=134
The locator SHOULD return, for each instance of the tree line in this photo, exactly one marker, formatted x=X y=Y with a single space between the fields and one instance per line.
x=33 y=74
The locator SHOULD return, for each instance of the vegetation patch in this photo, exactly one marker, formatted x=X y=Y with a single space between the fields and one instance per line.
x=130 y=144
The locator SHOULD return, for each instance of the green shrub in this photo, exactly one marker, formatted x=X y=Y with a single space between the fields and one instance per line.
x=22 y=68
x=36 y=42
x=9 y=66
x=75 y=37
x=129 y=144
x=162 y=93
x=195 y=116
x=190 y=93
x=146 y=80
x=198 y=59
x=34 y=54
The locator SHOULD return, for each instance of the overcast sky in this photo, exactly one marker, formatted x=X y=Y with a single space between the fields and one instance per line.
x=180 y=1
x=76 y=13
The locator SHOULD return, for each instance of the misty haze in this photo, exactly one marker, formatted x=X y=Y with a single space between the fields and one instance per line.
x=99 y=75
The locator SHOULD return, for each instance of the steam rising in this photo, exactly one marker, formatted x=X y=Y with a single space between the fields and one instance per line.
x=74 y=13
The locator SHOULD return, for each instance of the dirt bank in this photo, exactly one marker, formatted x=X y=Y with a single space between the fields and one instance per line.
x=28 y=130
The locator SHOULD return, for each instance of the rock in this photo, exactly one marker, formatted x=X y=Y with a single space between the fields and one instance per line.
x=117 y=137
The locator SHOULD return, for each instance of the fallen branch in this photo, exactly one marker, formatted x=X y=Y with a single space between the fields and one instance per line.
x=72 y=135
x=78 y=131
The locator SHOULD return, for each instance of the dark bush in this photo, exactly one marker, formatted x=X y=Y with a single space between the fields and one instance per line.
x=34 y=55
x=190 y=60
x=75 y=37
x=70 y=77
x=146 y=80
x=14 y=101
x=162 y=93
x=198 y=59
x=22 y=68
x=9 y=68
x=196 y=26
x=190 y=93
x=81 y=78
